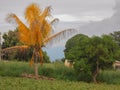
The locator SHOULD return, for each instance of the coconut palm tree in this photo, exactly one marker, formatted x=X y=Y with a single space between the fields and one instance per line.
x=38 y=32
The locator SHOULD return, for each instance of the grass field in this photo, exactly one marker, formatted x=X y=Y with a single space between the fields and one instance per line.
x=14 y=83
x=65 y=78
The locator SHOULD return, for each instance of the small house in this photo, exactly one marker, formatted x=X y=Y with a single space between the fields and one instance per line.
x=116 y=65
x=68 y=63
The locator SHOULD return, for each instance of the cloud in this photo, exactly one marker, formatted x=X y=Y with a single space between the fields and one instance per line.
x=82 y=18
x=66 y=18
x=106 y=26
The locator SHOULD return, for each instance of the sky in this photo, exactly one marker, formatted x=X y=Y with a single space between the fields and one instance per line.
x=78 y=14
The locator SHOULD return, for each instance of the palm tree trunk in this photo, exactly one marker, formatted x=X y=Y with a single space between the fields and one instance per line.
x=36 y=64
x=36 y=70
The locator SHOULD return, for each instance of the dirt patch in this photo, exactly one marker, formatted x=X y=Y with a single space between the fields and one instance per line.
x=25 y=75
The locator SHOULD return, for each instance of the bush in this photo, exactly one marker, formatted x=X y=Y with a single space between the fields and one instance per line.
x=82 y=70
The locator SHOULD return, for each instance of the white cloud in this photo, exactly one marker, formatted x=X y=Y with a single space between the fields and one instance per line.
x=82 y=18
x=67 y=18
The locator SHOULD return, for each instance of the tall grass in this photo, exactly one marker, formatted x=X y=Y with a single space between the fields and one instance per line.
x=55 y=70
x=110 y=76
x=14 y=69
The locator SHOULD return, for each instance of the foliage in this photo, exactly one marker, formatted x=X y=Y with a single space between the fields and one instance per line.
x=10 y=39
x=46 y=57
x=116 y=36
x=91 y=54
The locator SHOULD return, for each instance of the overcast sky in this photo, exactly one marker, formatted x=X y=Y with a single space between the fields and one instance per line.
x=72 y=13
x=65 y=10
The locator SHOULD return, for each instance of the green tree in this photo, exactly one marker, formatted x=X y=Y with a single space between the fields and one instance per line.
x=116 y=36
x=91 y=54
x=10 y=39
x=46 y=57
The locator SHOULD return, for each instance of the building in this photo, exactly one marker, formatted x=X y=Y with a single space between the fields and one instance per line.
x=116 y=65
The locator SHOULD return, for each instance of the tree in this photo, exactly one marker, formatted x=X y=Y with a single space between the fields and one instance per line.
x=10 y=39
x=116 y=36
x=46 y=57
x=39 y=32
x=91 y=54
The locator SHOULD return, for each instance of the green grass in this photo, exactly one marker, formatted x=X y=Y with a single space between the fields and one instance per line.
x=15 y=83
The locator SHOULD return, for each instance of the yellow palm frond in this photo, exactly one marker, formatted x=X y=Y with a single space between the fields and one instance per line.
x=46 y=29
x=22 y=28
x=32 y=13
x=54 y=21
x=46 y=12
x=36 y=35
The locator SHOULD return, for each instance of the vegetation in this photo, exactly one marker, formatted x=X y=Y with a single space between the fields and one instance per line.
x=38 y=33
x=32 y=84
x=116 y=36
x=10 y=39
x=109 y=76
x=54 y=70
x=91 y=54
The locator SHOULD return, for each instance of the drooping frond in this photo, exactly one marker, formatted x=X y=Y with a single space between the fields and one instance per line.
x=15 y=48
x=53 y=24
x=65 y=34
x=54 y=21
x=22 y=28
x=32 y=13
